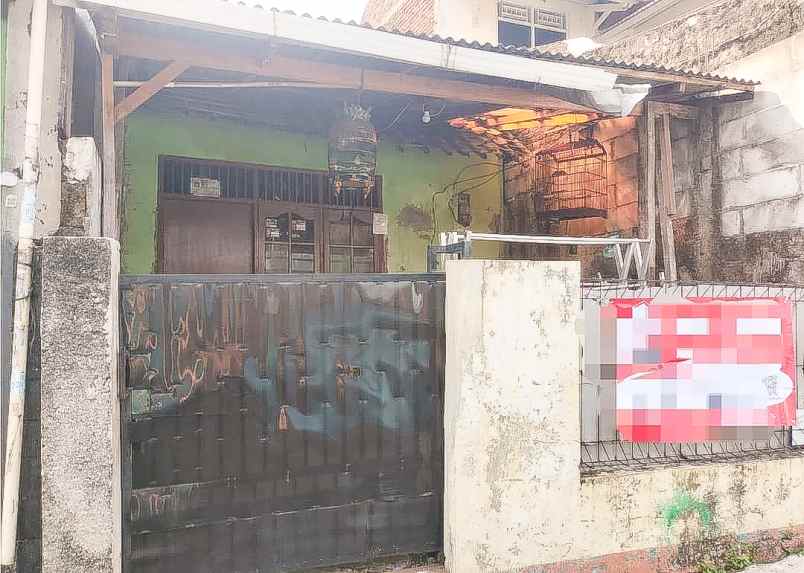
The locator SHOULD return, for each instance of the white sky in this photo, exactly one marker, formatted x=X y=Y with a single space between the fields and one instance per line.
x=343 y=9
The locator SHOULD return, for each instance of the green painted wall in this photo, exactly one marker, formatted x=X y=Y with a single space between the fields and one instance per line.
x=410 y=178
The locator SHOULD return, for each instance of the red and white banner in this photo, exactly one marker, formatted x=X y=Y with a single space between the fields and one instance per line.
x=700 y=369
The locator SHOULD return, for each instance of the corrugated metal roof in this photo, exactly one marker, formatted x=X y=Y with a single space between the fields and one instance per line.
x=532 y=53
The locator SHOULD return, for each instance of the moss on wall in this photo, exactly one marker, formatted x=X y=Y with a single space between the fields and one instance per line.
x=410 y=178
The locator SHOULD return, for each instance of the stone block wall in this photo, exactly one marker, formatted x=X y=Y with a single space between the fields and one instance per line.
x=761 y=158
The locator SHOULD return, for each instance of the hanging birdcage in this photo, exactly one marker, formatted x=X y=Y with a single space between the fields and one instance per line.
x=352 y=152
x=571 y=180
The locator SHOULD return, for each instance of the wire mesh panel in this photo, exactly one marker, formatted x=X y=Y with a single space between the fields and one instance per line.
x=604 y=417
x=280 y=422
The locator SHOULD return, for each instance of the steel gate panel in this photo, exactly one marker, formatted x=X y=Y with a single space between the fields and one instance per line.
x=281 y=422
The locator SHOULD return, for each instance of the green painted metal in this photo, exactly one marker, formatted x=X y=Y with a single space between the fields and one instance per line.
x=410 y=178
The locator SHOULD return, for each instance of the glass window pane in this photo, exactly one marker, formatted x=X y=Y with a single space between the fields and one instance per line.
x=276 y=228
x=302 y=259
x=361 y=233
x=339 y=260
x=339 y=231
x=302 y=230
x=276 y=258
x=363 y=261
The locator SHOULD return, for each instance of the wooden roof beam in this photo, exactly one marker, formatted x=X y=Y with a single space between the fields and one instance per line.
x=160 y=47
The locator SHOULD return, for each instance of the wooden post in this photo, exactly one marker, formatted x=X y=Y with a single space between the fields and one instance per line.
x=668 y=178
x=665 y=223
x=147 y=90
x=649 y=149
x=109 y=218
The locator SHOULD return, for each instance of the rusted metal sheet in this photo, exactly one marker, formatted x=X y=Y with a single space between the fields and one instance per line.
x=282 y=422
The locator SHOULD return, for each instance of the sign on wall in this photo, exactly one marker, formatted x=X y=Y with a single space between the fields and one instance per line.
x=205 y=187
x=698 y=369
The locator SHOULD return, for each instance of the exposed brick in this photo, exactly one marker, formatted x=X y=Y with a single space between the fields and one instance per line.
x=624 y=146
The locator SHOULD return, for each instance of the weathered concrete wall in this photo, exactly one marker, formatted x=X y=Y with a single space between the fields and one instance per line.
x=511 y=414
x=81 y=188
x=14 y=87
x=761 y=147
x=712 y=38
x=410 y=177
x=81 y=466
x=514 y=496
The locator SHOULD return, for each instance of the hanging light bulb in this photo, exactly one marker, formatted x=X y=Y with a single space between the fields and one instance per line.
x=426 y=116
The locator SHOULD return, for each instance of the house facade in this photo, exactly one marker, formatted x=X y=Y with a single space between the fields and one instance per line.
x=241 y=357
x=523 y=24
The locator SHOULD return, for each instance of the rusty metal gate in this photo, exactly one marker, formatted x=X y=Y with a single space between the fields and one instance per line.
x=278 y=423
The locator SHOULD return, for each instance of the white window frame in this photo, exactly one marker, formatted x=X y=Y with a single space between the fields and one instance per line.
x=533 y=18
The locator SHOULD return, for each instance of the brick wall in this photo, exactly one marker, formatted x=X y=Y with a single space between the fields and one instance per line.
x=619 y=138
x=715 y=37
x=405 y=15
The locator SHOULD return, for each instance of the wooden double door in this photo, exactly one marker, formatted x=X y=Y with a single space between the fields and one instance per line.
x=229 y=236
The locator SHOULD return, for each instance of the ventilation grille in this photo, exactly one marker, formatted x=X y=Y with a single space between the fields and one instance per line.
x=514 y=12
x=258 y=182
x=549 y=19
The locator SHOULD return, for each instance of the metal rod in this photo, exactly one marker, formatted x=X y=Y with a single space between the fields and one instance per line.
x=550 y=240
x=22 y=294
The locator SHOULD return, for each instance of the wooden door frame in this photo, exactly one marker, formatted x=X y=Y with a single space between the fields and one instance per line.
x=318 y=212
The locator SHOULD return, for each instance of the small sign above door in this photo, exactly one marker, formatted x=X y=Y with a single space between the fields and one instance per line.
x=380 y=224
x=204 y=187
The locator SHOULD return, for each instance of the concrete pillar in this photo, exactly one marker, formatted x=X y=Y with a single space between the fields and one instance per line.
x=81 y=479
x=512 y=423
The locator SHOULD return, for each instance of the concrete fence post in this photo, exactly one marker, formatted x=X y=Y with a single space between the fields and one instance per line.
x=512 y=422
x=81 y=461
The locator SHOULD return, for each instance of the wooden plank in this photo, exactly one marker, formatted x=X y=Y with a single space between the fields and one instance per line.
x=676 y=110
x=109 y=215
x=143 y=93
x=188 y=246
x=197 y=54
x=665 y=223
x=668 y=177
x=649 y=178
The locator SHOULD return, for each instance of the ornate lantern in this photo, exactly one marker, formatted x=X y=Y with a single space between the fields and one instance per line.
x=352 y=152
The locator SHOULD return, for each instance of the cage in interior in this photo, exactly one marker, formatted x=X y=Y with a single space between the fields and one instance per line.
x=571 y=180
